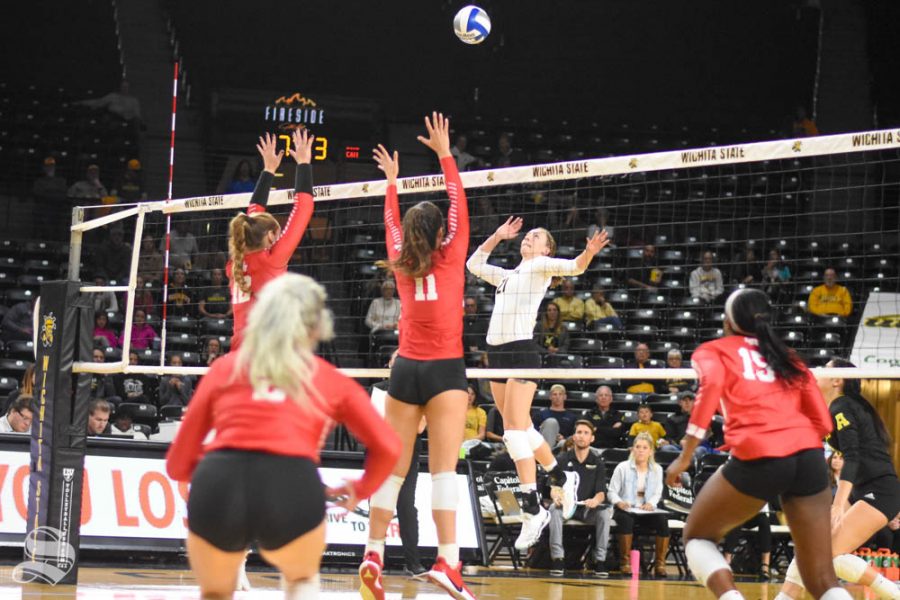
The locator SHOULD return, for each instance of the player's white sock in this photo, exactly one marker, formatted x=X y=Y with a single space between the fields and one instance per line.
x=732 y=595
x=376 y=546
x=450 y=552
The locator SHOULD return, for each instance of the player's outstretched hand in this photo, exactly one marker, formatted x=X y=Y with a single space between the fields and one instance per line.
x=673 y=473
x=343 y=496
x=389 y=164
x=510 y=229
x=597 y=242
x=271 y=156
x=303 y=141
x=438 y=128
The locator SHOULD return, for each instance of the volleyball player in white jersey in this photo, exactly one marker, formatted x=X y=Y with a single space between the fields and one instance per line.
x=511 y=345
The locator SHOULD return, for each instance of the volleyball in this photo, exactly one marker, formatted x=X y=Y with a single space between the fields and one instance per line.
x=471 y=24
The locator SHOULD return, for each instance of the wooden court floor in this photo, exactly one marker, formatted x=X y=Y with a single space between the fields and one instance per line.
x=153 y=584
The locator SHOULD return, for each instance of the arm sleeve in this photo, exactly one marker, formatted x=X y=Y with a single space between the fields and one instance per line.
x=478 y=266
x=615 y=485
x=393 y=230
x=557 y=267
x=382 y=443
x=848 y=439
x=457 y=236
x=284 y=246
x=187 y=448
x=711 y=374
x=260 y=198
x=813 y=406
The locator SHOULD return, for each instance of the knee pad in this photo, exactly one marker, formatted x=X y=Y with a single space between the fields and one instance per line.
x=444 y=491
x=386 y=496
x=849 y=568
x=517 y=444
x=793 y=574
x=535 y=439
x=306 y=589
x=704 y=559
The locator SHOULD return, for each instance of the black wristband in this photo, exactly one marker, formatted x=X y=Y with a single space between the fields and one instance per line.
x=303 y=179
x=261 y=191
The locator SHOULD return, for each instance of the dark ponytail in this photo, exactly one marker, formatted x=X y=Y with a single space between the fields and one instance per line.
x=421 y=225
x=853 y=390
x=750 y=312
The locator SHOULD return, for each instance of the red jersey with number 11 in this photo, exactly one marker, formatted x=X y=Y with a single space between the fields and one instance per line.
x=431 y=307
x=765 y=417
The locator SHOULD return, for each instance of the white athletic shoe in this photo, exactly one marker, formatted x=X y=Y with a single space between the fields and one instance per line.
x=243 y=582
x=570 y=495
x=532 y=527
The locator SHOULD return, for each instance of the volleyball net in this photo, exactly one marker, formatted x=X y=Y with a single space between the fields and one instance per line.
x=777 y=215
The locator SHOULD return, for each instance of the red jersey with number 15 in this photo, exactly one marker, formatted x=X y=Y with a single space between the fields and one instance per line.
x=431 y=307
x=765 y=417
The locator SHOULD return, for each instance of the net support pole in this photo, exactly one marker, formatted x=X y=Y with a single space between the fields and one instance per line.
x=75 y=244
x=132 y=281
x=165 y=299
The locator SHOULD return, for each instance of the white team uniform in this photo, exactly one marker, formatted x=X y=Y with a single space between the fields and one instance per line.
x=519 y=293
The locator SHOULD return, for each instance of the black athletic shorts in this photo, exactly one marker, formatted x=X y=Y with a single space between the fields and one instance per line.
x=802 y=474
x=239 y=497
x=418 y=381
x=521 y=354
x=882 y=493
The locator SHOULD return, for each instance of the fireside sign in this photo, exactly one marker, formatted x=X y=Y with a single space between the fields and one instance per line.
x=294 y=111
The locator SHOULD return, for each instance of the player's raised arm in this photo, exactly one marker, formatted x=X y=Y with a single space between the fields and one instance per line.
x=271 y=156
x=389 y=164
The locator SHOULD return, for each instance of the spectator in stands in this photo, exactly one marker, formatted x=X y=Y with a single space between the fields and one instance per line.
x=608 y=431
x=556 y=423
x=474 y=326
x=114 y=256
x=243 y=179
x=641 y=361
x=646 y=424
x=212 y=351
x=551 y=335
x=142 y=334
x=677 y=384
x=18 y=416
x=175 y=390
x=747 y=270
x=384 y=312
x=102 y=385
x=506 y=156
x=775 y=274
x=98 y=417
x=676 y=426
x=183 y=248
x=49 y=185
x=143 y=297
x=129 y=185
x=598 y=311
x=835 y=464
x=52 y=215
x=215 y=303
x=706 y=280
x=494 y=428
x=476 y=418
x=830 y=298
x=732 y=542
x=179 y=303
x=104 y=301
x=464 y=160
x=89 y=188
x=571 y=307
x=803 y=126
x=102 y=333
x=120 y=103
x=26 y=386
x=638 y=483
x=18 y=323
x=134 y=387
x=150 y=260
x=646 y=274
x=123 y=424
x=590 y=495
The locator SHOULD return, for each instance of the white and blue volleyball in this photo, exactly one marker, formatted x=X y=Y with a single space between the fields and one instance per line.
x=472 y=25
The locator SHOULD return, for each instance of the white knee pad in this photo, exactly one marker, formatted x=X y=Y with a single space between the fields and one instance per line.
x=849 y=568
x=307 y=589
x=704 y=559
x=444 y=491
x=517 y=444
x=535 y=439
x=386 y=496
x=793 y=574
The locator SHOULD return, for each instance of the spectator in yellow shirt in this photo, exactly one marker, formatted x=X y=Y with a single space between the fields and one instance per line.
x=642 y=361
x=646 y=424
x=598 y=310
x=830 y=298
x=476 y=418
x=571 y=307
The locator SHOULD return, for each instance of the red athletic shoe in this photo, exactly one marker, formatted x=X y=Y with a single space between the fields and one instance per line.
x=449 y=578
x=370 y=585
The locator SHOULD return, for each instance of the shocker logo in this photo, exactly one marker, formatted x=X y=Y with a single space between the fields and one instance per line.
x=48 y=328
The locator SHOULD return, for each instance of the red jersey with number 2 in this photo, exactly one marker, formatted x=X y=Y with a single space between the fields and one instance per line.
x=765 y=417
x=431 y=307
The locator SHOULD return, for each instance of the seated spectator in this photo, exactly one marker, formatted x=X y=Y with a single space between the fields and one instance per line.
x=747 y=270
x=556 y=423
x=476 y=418
x=129 y=186
x=102 y=333
x=641 y=361
x=506 y=156
x=98 y=417
x=89 y=188
x=646 y=273
x=243 y=181
x=551 y=336
x=26 y=387
x=775 y=273
x=464 y=160
x=646 y=424
x=676 y=426
x=183 y=249
x=597 y=310
x=150 y=260
x=119 y=103
x=18 y=323
x=143 y=297
x=706 y=280
x=830 y=298
x=102 y=384
x=175 y=390
x=384 y=312
x=763 y=528
x=474 y=326
x=215 y=303
x=18 y=416
x=134 y=387
x=123 y=424
x=571 y=307
x=590 y=495
x=179 y=303
x=494 y=429
x=49 y=185
x=608 y=431
x=104 y=301
x=803 y=126
x=638 y=483
x=835 y=464
x=678 y=384
x=212 y=351
x=142 y=334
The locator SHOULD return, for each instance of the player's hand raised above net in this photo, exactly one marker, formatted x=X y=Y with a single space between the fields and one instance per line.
x=438 y=139
x=510 y=229
x=389 y=164
x=597 y=242
x=268 y=150
x=303 y=142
